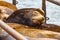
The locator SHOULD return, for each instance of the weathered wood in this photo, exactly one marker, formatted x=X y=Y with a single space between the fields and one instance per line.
x=57 y=2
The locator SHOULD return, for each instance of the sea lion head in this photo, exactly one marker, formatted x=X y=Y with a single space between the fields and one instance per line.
x=28 y=16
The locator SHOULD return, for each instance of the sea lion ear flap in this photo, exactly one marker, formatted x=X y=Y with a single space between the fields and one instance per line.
x=40 y=11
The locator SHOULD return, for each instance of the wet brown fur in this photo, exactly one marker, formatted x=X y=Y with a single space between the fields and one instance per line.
x=34 y=32
x=19 y=16
x=51 y=27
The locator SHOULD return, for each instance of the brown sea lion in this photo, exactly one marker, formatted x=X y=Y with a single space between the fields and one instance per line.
x=27 y=16
x=5 y=12
x=34 y=33
x=51 y=27
x=6 y=9
x=24 y=16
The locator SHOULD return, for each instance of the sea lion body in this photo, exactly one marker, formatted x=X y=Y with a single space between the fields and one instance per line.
x=5 y=12
x=51 y=27
x=27 y=16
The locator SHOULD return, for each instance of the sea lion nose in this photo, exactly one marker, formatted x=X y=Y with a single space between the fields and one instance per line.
x=38 y=20
x=38 y=17
x=41 y=18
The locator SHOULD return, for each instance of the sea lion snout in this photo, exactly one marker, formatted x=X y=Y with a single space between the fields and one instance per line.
x=37 y=17
x=28 y=16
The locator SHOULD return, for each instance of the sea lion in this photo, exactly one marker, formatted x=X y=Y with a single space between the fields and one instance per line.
x=24 y=16
x=6 y=9
x=34 y=33
x=9 y=5
x=51 y=27
x=5 y=12
x=27 y=16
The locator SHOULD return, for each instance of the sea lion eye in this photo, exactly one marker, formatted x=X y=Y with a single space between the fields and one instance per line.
x=35 y=13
